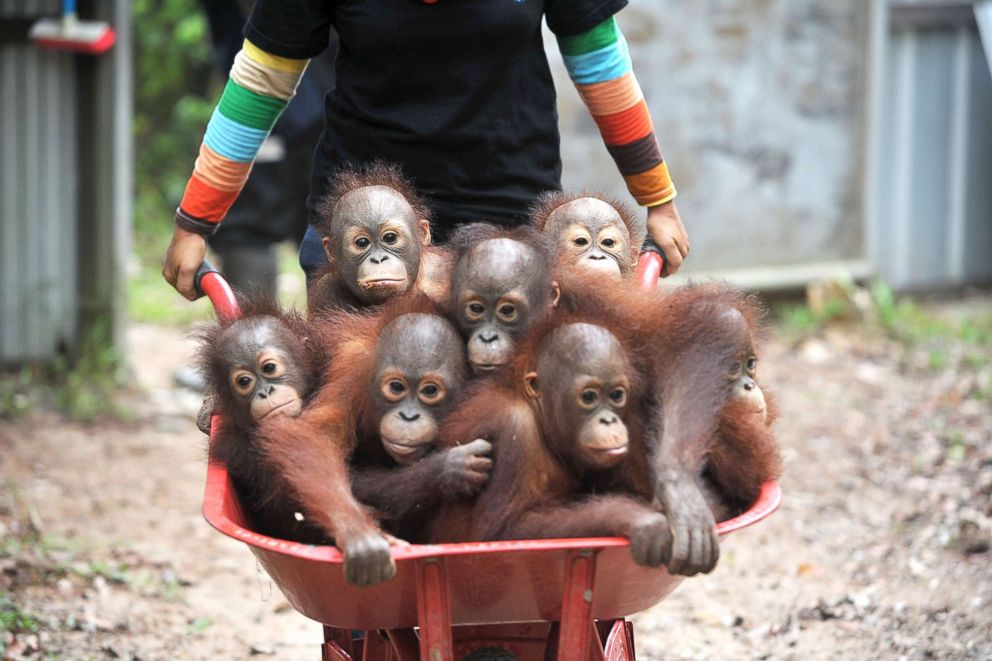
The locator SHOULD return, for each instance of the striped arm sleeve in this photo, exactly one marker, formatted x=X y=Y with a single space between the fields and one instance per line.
x=258 y=90
x=598 y=62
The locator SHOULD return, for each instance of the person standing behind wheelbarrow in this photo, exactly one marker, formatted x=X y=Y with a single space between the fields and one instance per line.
x=457 y=91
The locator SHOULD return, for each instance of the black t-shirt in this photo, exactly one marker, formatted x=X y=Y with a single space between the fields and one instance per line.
x=457 y=91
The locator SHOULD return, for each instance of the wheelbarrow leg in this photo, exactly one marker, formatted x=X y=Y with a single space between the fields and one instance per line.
x=434 y=611
x=620 y=642
x=577 y=638
x=338 y=645
x=405 y=644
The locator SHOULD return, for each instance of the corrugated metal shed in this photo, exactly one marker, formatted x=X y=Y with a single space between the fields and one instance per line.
x=930 y=206
x=65 y=185
x=37 y=194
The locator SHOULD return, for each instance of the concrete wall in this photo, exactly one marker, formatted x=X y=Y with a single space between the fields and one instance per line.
x=759 y=106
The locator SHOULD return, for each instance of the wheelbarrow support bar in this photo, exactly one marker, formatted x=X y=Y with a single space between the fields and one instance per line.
x=434 y=611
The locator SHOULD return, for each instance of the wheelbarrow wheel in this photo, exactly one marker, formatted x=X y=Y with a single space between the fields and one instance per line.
x=491 y=654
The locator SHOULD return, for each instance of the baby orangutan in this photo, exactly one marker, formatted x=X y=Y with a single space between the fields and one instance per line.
x=591 y=232
x=376 y=234
x=366 y=437
x=258 y=367
x=559 y=420
x=500 y=285
x=419 y=373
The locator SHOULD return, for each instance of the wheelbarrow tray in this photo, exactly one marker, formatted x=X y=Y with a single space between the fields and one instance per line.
x=490 y=582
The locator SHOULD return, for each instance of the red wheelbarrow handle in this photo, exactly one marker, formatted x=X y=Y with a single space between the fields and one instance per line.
x=650 y=264
x=209 y=282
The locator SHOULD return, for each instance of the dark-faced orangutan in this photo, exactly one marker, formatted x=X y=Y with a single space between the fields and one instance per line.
x=392 y=376
x=707 y=433
x=501 y=283
x=743 y=454
x=258 y=367
x=706 y=414
x=591 y=232
x=559 y=419
x=418 y=375
x=376 y=234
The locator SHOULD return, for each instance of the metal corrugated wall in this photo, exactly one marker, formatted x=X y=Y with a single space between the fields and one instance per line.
x=37 y=194
x=931 y=209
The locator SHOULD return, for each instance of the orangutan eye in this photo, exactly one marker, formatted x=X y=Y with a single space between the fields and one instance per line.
x=269 y=368
x=393 y=389
x=588 y=396
x=581 y=241
x=243 y=382
x=618 y=396
x=362 y=242
x=390 y=238
x=609 y=243
x=752 y=364
x=507 y=311
x=431 y=393
x=474 y=310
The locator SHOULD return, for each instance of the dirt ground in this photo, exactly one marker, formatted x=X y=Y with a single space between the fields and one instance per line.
x=880 y=549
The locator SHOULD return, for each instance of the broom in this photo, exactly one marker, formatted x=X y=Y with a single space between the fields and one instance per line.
x=71 y=34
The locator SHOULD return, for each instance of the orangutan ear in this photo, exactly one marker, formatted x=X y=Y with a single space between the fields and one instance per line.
x=326 y=242
x=555 y=293
x=424 y=231
x=530 y=385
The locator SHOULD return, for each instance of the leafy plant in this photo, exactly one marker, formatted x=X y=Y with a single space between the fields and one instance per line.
x=174 y=96
x=14 y=619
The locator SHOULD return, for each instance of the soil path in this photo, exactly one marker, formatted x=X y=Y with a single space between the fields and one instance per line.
x=881 y=549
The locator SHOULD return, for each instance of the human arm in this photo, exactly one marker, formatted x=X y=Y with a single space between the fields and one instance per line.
x=599 y=64
x=282 y=36
x=259 y=88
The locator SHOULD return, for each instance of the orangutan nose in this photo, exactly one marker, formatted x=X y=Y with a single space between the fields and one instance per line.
x=409 y=418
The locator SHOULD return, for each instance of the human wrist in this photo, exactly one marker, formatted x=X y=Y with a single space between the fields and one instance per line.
x=190 y=225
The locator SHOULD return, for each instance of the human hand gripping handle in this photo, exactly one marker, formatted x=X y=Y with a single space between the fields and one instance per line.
x=666 y=230
x=182 y=258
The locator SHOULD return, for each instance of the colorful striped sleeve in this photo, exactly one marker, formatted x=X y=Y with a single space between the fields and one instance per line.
x=258 y=90
x=598 y=62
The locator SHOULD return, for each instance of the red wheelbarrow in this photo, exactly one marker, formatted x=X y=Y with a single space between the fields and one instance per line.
x=562 y=599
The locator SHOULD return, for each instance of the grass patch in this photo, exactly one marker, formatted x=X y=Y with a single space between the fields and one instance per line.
x=200 y=624
x=14 y=619
x=113 y=572
x=152 y=300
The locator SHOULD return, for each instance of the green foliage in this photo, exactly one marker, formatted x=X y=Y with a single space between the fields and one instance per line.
x=84 y=386
x=931 y=339
x=88 y=388
x=151 y=300
x=800 y=320
x=905 y=321
x=16 y=392
x=114 y=572
x=200 y=624
x=174 y=96
x=14 y=619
